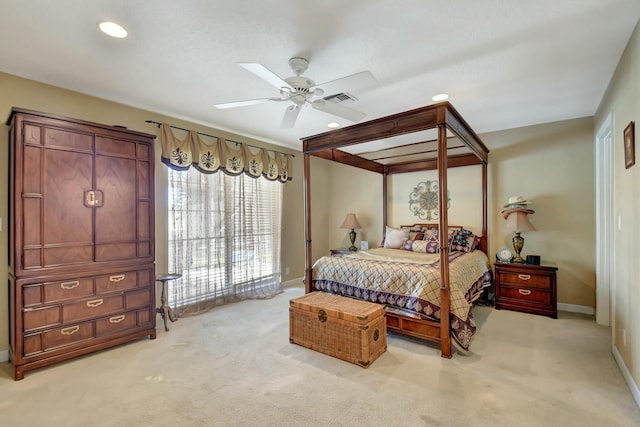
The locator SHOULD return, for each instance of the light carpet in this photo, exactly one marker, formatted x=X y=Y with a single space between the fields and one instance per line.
x=234 y=366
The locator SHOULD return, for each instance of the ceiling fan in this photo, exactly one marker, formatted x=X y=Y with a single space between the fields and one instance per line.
x=300 y=90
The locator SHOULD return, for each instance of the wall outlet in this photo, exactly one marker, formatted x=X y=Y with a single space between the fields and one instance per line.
x=624 y=337
x=364 y=245
x=287 y=270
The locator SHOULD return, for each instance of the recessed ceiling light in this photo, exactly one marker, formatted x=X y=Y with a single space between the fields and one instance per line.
x=333 y=125
x=112 y=29
x=440 y=97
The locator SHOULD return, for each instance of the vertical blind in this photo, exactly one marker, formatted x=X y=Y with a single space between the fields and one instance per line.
x=224 y=238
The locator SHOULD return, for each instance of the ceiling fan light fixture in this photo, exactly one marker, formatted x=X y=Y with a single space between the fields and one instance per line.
x=440 y=97
x=112 y=29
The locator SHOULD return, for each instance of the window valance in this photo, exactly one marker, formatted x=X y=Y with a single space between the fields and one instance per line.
x=214 y=154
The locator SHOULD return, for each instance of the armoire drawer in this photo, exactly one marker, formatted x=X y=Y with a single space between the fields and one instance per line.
x=47 y=316
x=37 y=294
x=55 y=339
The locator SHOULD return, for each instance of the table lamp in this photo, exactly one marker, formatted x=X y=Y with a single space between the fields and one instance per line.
x=351 y=222
x=517 y=221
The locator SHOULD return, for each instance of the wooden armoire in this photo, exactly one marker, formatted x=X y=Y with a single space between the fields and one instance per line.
x=81 y=238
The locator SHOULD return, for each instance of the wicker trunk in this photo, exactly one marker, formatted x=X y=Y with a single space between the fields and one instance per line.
x=341 y=327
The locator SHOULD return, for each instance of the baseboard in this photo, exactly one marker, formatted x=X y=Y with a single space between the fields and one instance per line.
x=635 y=391
x=292 y=283
x=574 y=308
x=4 y=356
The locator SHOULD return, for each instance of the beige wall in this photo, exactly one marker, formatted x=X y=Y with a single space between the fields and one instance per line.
x=23 y=93
x=622 y=100
x=552 y=165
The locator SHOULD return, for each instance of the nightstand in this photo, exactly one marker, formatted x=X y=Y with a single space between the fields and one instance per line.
x=341 y=251
x=527 y=288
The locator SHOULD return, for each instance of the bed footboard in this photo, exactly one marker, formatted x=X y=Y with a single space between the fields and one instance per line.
x=418 y=328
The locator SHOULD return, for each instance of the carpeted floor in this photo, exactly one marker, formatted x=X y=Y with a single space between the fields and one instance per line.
x=234 y=366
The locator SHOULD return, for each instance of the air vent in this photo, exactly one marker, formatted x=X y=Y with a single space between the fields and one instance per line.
x=340 y=97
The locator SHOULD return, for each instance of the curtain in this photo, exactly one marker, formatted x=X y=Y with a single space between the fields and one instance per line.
x=224 y=237
x=210 y=154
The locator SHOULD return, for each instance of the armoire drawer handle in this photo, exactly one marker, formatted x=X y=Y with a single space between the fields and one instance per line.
x=95 y=302
x=524 y=277
x=70 y=285
x=524 y=291
x=70 y=331
x=116 y=279
x=117 y=319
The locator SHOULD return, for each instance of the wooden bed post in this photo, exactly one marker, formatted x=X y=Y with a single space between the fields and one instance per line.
x=385 y=179
x=485 y=238
x=307 y=221
x=445 y=303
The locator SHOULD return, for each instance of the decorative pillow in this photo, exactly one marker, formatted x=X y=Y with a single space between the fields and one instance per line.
x=431 y=234
x=425 y=246
x=463 y=241
x=395 y=237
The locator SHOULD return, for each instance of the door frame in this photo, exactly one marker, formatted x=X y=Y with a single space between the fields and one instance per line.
x=604 y=222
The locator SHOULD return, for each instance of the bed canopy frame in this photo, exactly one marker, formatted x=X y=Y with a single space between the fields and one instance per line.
x=427 y=138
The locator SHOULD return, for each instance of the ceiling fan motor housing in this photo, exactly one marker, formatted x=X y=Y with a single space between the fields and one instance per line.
x=298 y=65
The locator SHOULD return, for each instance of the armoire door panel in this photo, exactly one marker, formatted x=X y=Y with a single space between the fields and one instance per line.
x=115 y=219
x=142 y=152
x=31 y=216
x=143 y=221
x=143 y=180
x=67 y=176
x=115 y=251
x=63 y=138
x=71 y=254
x=115 y=147
x=32 y=134
x=32 y=258
x=32 y=167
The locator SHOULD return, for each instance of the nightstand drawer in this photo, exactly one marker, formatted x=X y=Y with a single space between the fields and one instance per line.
x=526 y=279
x=525 y=294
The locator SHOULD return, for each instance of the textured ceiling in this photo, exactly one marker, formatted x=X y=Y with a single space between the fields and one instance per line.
x=505 y=63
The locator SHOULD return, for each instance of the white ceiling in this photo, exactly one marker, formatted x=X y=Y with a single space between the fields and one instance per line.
x=505 y=63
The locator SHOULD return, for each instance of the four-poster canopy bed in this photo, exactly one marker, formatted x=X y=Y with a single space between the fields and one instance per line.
x=427 y=138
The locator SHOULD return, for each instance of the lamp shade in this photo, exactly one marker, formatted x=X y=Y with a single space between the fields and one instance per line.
x=351 y=221
x=518 y=221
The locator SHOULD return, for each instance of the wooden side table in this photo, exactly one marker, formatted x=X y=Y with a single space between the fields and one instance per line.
x=527 y=288
x=164 y=309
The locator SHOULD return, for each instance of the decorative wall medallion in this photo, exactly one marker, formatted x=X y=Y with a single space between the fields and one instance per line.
x=423 y=200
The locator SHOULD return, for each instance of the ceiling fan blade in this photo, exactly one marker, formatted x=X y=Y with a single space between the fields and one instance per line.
x=235 y=104
x=338 y=110
x=265 y=74
x=351 y=83
x=290 y=116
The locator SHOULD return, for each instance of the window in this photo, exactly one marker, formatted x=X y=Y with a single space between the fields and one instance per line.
x=224 y=238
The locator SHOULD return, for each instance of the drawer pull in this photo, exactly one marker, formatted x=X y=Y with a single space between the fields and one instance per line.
x=70 y=285
x=524 y=291
x=116 y=279
x=70 y=331
x=524 y=277
x=95 y=302
x=116 y=319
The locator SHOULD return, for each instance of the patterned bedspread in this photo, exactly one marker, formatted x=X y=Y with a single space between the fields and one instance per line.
x=409 y=282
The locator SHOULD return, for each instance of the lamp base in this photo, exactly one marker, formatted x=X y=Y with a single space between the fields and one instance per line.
x=352 y=237
x=518 y=244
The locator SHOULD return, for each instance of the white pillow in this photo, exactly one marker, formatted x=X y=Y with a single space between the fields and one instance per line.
x=395 y=237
